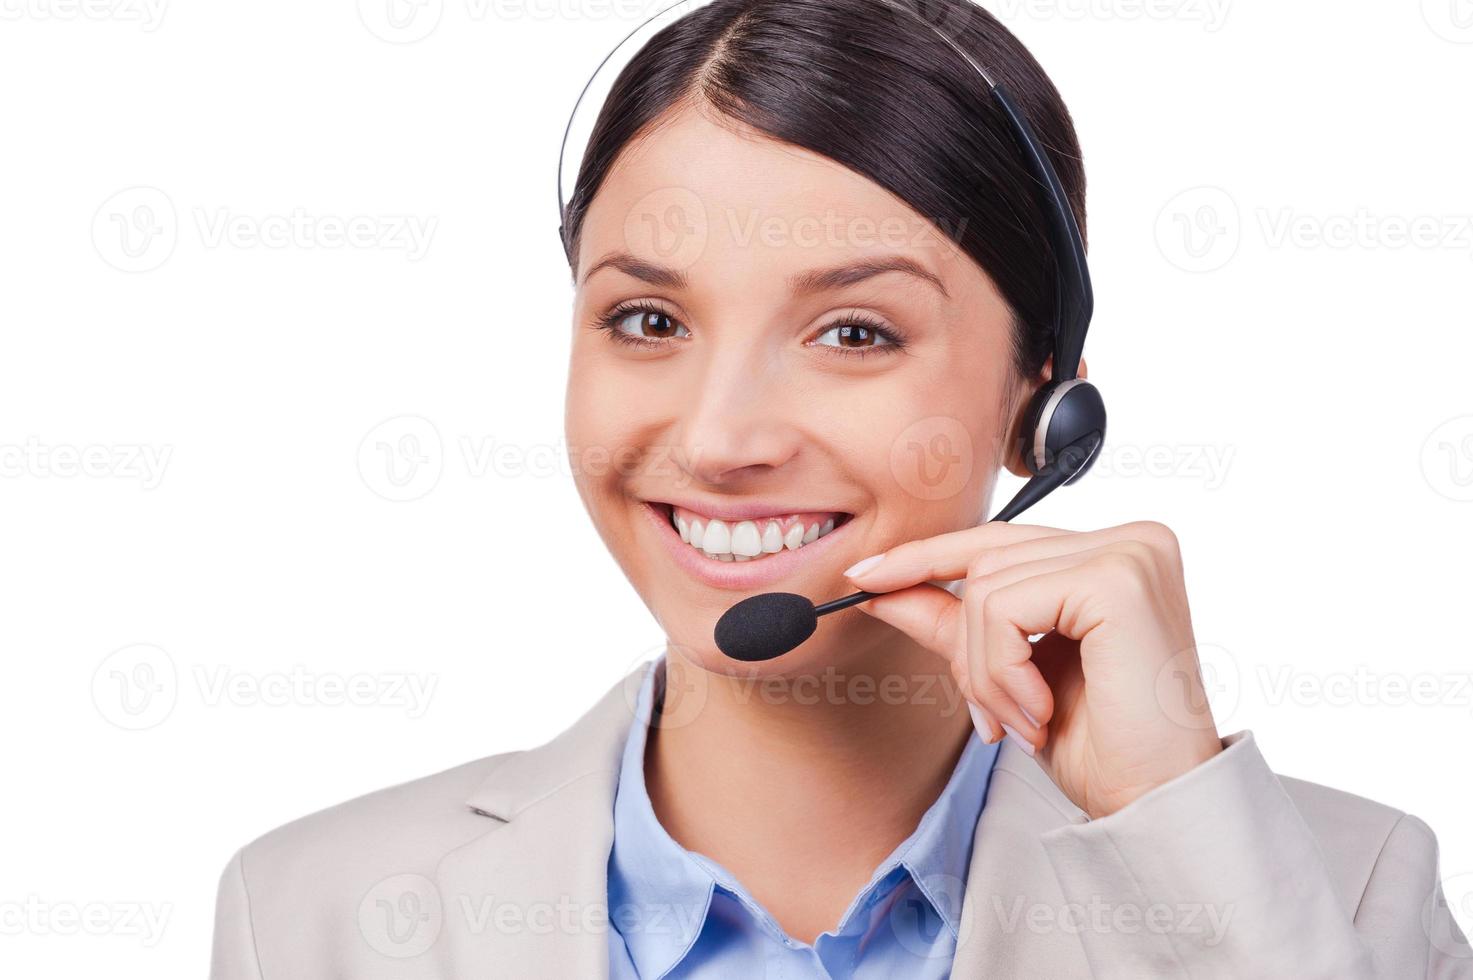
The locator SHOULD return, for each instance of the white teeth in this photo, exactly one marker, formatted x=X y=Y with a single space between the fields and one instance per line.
x=772 y=538
x=717 y=540
x=745 y=540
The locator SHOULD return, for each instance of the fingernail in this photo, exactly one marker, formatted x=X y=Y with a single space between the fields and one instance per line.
x=982 y=721
x=860 y=567
x=1018 y=740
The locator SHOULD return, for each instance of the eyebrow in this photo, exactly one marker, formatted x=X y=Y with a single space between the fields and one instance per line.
x=655 y=275
x=848 y=275
x=813 y=281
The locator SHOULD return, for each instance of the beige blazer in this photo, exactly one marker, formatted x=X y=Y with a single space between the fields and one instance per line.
x=497 y=869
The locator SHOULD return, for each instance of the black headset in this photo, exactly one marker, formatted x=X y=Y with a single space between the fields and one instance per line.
x=1063 y=426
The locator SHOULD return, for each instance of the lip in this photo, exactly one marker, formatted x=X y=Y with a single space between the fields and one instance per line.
x=730 y=511
x=731 y=575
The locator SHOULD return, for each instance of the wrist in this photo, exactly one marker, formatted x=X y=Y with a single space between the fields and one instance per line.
x=1186 y=758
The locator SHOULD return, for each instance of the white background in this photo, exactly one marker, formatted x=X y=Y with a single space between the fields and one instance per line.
x=194 y=493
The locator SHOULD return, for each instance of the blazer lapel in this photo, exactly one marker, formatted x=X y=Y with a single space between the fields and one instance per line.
x=1010 y=924
x=529 y=898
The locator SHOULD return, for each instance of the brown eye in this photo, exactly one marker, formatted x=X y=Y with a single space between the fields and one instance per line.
x=658 y=325
x=854 y=336
x=649 y=325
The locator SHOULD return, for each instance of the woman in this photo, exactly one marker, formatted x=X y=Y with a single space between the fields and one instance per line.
x=814 y=292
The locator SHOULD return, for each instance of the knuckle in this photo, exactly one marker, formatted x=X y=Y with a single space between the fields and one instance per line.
x=1125 y=570
x=975 y=596
x=1141 y=553
x=987 y=562
x=994 y=603
x=1157 y=535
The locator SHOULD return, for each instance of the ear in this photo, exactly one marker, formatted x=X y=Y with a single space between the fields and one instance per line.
x=1014 y=460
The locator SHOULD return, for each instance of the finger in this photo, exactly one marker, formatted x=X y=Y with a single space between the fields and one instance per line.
x=928 y=614
x=998 y=653
x=932 y=617
x=943 y=557
x=991 y=560
x=1014 y=699
x=1017 y=611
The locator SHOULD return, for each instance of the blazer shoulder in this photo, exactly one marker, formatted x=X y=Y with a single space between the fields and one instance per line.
x=401 y=829
x=1352 y=831
x=1336 y=815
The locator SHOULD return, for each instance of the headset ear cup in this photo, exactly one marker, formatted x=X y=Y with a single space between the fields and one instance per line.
x=1028 y=427
x=1064 y=425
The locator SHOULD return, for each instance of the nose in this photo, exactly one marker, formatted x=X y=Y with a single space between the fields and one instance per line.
x=738 y=419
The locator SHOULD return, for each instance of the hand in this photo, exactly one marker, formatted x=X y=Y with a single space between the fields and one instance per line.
x=1111 y=697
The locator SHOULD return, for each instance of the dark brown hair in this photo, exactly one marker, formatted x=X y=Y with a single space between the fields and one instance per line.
x=871 y=85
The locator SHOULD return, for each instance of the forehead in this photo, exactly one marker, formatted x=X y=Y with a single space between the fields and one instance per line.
x=701 y=189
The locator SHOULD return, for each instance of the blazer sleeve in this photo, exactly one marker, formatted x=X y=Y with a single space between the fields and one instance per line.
x=233 y=956
x=1216 y=874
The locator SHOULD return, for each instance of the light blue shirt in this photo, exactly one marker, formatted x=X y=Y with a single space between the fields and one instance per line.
x=680 y=915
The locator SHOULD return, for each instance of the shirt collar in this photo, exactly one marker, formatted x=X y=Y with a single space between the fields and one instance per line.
x=659 y=892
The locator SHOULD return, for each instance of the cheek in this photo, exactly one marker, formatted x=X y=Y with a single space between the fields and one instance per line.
x=931 y=455
x=593 y=425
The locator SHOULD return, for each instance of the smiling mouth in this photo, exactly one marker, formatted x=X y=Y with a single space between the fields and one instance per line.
x=750 y=540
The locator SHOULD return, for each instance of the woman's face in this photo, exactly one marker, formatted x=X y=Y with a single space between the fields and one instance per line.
x=767 y=347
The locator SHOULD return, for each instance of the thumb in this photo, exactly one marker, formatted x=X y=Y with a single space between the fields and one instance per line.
x=934 y=618
x=926 y=613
